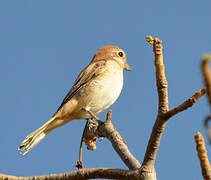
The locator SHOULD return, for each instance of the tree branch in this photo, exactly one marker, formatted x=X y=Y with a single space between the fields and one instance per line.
x=163 y=108
x=162 y=89
x=186 y=104
x=106 y=129
x=206 y=71
x=202 y=155
x=82 y=174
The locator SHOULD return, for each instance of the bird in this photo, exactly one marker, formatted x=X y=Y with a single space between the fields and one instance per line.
x=95 y=89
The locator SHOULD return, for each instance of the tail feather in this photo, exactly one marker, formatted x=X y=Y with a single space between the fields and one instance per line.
x=30 y=142
x=34 y=138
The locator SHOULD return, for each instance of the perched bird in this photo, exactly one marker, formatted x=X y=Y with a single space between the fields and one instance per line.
x=96 y=88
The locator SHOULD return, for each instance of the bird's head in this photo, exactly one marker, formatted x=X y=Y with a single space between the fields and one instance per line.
x=113 y=53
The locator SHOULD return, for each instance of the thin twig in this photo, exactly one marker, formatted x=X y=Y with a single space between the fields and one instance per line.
x=202 y=154
x=107 y=130
x=79 y=164
x=82 y=174
x=109 y=116
x=206 y=71
x=186 y=104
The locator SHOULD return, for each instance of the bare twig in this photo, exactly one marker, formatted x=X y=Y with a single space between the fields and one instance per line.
x=82 y=174
x=109 y=116
x=206 y=71
x=162 y=88
x=163 y=108
x=107 y=130
x=186 y=104
x=203 y=158
x=79 y=164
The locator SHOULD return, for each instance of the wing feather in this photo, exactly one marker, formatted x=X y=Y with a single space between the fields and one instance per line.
x=93 y=70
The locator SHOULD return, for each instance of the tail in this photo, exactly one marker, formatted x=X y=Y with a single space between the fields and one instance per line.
x=35 y=137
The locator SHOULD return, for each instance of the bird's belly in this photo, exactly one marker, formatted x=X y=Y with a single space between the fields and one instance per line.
x=105 y=96
x=100 y=94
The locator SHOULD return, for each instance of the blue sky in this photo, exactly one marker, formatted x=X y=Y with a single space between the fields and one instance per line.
x=45 y=44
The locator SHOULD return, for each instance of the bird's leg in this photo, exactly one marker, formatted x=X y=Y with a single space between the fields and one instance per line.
x=92 y=114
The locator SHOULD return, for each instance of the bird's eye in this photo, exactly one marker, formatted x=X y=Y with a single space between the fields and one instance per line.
x=120 y=54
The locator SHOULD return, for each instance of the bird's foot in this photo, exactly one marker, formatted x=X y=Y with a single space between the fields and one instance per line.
x=92 y=115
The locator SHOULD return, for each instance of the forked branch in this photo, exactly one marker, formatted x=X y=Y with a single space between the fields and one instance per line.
x=164 y=114
x=106 y=129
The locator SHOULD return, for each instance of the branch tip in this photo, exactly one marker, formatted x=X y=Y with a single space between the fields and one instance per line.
x=109 y=115
x=206 y=57
x=202 y=155
x=150 y=39
x=186 y=104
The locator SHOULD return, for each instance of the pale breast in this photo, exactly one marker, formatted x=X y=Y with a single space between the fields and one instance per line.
x=104 y=90
x=108 y=90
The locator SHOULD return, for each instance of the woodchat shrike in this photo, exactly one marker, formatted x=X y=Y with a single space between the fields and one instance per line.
x=96 y=88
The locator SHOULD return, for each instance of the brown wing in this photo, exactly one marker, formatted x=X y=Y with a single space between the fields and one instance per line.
x=91 y=71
